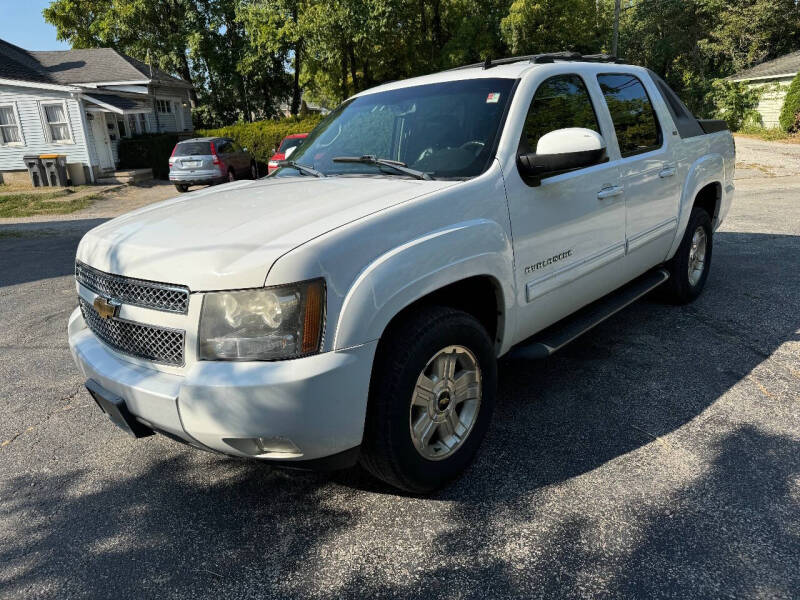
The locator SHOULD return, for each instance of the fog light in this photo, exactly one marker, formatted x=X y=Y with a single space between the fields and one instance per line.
x=274 y=447
x=277 y=444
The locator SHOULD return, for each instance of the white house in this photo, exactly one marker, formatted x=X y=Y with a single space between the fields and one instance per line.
x=775 y=75
x=80 y=103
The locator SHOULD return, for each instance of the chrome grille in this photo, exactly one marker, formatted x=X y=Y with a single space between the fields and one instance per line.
x=148 y=294
x=143 y=341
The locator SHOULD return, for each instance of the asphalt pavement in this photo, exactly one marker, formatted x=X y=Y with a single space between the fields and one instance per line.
x=657 y=456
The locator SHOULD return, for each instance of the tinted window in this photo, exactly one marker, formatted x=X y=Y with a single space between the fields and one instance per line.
x=224 y=147
x=447 y=129
x=192 y=148
x=560 y=102
x=290 y=143
x=634 y=119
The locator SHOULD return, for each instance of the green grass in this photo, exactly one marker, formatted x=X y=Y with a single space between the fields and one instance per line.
x=22 y=204
x=769 y=135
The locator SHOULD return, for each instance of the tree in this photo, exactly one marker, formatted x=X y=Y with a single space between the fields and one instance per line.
x=790 y=112
x=534 y=26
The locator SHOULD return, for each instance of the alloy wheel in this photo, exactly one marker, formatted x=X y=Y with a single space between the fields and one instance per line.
x=445 y=402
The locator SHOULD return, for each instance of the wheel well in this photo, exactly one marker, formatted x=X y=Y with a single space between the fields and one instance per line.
x=479 y=296
x=708 y=198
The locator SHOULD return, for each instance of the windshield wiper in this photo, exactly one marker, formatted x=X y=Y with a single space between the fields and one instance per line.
x=300 y=167
x=371 y=159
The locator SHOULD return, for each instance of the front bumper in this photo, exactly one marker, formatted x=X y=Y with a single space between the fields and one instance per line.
x=317 y=403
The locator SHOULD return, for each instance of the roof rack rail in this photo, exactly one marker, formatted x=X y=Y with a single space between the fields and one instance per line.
x=547 y=57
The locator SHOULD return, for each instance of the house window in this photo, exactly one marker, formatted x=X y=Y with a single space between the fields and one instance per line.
x=142 y=123
x=132 y=128
x=9 y=126
x=55 y=116
x=164 y=106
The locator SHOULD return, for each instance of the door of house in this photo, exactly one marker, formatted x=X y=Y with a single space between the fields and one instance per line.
x=102 y=142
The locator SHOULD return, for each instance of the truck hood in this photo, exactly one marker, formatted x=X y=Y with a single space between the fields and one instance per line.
x=228 y=236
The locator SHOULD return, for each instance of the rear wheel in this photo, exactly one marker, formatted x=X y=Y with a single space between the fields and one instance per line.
x=689 y=267
x=431 y=399
x=231 y=175
x=253 y=171
x=182 y=187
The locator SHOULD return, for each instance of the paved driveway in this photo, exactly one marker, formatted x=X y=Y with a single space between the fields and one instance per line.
x=659 y=456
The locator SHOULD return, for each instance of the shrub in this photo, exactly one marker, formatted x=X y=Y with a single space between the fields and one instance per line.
x=148 y=151
x=736 y=103
x=261 y=137
x=789 y=119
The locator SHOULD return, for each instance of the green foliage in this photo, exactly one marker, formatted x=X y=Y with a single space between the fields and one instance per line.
x=773 y=134
x=552 y=25
x=736 y=103
x=246 y=57
x=148 y=151
x=262 y=137
x=790 y=112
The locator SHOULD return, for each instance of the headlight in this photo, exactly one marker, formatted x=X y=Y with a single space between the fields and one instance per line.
x=263 y=324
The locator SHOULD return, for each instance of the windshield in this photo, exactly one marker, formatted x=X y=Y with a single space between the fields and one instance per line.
x=191 y=149
x=443 y=129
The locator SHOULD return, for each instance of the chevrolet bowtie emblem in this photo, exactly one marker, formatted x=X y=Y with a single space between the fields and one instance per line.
x=106 y=308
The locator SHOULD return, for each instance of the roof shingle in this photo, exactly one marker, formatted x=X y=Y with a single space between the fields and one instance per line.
x=789 y=64
x=75 y=67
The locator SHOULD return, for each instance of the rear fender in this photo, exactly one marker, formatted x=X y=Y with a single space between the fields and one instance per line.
x=710 y=168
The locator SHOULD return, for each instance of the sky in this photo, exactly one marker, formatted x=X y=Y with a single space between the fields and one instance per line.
x=22 y=24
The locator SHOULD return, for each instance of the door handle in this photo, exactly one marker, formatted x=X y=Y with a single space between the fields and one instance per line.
x=666 y=172
x=610 y=192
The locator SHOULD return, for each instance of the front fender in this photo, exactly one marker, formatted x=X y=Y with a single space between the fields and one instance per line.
x=420 y=266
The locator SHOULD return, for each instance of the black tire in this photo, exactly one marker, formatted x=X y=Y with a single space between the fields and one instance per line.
x=679 y=289
x=253 y=171
x=182 y=187
x=388 y=451
x=231 y=175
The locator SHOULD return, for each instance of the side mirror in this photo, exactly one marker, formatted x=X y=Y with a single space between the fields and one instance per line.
x=288 y=152
x=562 y=150
x=245 y=149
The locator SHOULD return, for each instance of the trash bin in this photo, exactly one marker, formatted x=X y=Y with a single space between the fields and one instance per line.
x=55 y=169
x=35 y=170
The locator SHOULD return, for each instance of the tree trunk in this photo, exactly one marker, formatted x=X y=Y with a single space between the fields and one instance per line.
x=437 y=26
x=344 y=74
x=352 y=56
x=187 y=75
x=298 y=49
x=296 y=92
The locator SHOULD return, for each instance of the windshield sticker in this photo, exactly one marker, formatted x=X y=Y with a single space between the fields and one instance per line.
x=493 y=98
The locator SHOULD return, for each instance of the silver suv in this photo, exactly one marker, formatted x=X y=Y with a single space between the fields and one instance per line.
x=206 y=161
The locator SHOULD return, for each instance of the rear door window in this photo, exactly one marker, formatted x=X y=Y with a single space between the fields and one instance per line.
x=560 y=102
x=192 y=149
x=635 y=121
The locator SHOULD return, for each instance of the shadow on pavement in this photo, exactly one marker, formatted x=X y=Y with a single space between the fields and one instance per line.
x=186 y=526
x=35 y=251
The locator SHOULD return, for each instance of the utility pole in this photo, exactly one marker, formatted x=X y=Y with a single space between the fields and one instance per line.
x=615 y=42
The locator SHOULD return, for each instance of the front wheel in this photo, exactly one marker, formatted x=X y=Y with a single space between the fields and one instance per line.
x=431 y=399
x=253 y=171
x=182 y=187
x=689 y=267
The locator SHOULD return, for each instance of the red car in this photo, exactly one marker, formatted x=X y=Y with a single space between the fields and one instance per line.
x=290 y=141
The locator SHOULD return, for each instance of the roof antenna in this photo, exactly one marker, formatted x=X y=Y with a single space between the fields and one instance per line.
x=488 y=63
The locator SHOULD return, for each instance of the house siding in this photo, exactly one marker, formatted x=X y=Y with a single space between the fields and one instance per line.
x=771 y=102
x=27 y=104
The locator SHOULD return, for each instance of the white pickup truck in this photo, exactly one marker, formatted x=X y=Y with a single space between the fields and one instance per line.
x=352 y=306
